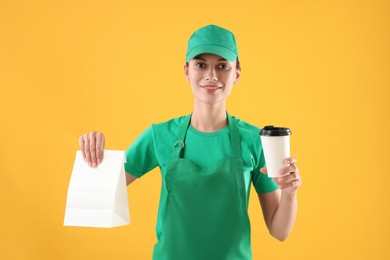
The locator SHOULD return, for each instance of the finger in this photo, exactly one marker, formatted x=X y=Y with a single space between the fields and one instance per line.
x=290 y=160
x=81 y=143
x=87 y=149
x=99 y=147
x=295 y=184
x=264 y=170
x=288 y=179
x=291 y=187
x=288 y=169
x=92 y=148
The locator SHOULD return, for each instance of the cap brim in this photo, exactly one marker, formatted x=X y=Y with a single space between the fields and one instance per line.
x=224 y=52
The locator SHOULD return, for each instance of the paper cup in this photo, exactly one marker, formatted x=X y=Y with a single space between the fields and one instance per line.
x=276 y=148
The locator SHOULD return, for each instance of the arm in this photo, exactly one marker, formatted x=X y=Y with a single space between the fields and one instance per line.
x=129 y=178
x=280 y=206
x=279 y=211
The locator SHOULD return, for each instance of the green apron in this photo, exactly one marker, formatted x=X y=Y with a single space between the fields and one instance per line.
x=206 y=216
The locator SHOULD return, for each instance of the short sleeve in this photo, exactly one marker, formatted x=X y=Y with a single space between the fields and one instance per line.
x=141 y=156
x=260 y=181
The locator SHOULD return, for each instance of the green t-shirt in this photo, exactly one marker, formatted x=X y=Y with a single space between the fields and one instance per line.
x=154 y=148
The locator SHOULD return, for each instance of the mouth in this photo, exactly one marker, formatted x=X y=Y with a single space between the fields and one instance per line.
x=210 y=87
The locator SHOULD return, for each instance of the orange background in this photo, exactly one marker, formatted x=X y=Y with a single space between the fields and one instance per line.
x=318 y=67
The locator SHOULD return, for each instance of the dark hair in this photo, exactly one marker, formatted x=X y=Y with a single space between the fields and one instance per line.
x=238 y=66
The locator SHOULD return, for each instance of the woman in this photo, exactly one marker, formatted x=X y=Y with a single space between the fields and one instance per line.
x=208 y=160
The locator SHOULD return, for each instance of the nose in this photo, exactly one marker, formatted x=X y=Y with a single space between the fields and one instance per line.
x=211 y=75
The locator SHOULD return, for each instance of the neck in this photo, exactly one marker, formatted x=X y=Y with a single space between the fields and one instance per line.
x=209 y=117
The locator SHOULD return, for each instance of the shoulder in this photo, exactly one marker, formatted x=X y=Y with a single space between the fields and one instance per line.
x=247 y=128
x=250 y=135
x=168 y=127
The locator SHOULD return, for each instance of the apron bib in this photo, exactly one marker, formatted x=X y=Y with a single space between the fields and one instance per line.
x=206 y=215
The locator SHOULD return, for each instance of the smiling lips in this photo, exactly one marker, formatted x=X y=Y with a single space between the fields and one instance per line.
x=210 y=88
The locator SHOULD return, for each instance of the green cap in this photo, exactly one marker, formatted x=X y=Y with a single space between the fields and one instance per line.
x=212 y=39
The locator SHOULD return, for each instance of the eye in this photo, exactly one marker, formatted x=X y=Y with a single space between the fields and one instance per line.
x=224 y=66
x=200 y=65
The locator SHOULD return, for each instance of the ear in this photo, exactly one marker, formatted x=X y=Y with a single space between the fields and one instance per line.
x=238 y=73
x=186 y=71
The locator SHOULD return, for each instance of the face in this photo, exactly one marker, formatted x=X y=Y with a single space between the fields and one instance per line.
x=211 y=77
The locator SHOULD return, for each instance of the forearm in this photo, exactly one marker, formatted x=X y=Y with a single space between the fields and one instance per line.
x=284 y=217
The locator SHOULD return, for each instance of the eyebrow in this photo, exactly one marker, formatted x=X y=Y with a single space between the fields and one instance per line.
x=198 y=57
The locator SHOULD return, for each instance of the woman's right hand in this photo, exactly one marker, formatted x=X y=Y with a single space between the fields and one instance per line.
x=92 y=147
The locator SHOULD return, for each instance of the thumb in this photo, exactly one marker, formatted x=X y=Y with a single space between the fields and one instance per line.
x=264 y=170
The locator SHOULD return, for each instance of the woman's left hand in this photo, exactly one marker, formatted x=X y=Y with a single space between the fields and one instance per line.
x=292 y=180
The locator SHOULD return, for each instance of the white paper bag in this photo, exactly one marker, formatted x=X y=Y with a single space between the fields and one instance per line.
x=97 y=197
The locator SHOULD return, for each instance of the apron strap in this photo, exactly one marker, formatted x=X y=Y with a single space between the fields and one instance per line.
x=179 y=146
x=234 y=137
